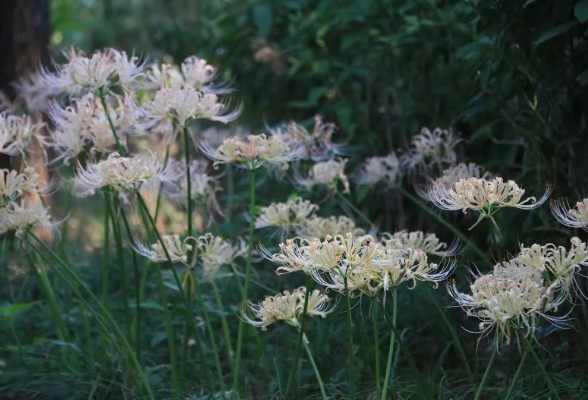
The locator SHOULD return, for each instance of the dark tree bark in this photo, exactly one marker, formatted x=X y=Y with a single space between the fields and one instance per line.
x=24 y=43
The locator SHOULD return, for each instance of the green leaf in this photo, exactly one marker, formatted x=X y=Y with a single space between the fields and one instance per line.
x=582 y=78
x=581 y=10
x=528 y=3
x=11 y=310
x=262 y=16
x=556 y=31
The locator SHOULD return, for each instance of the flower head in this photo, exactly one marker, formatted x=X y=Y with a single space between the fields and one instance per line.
x=126 y=173
x=484 y=196
x=177 y=249
x=319 y=227
x=287 y=307
x=427 y=242
x=13 y=184
x=20 y=217
x=101 y=71
x=318 y=143
x=430 y=148
x=252 y=152
x=285 y=215
x=16 y=132
x=215 y=252
x=193 y=72
x=574 y=217
x=376 y=170
x=328 y=173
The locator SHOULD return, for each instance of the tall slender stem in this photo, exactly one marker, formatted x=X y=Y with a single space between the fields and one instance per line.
x=356 y=210
x=230 y=192
x=542 y=368
x=315 y=369
x=137 y=275
x=349 y=339
x=376 y=345
x=237 y=369
x=122 y=271
x=106 y=264
x=300 y=338
x=188 y=179
x=226 y=330
x=388 y=377
x=187 y=308
x=169 y=328
x=119 y=146
x=114 y=326
x=485 y=377
x=452 y=332
x=516 y=375
x=447 y=224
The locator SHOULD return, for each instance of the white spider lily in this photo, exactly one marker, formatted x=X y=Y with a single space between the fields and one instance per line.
x=376 y=170
x=430 y=149
x=252 y=152
x=574 y=217
x=104 y=69
x=216 y=252
x=427 y=242
x=129 y=174
x=319 y=227
x=20 y=217
x=452 y=175
x=285 y=215
x=484 y=196
x=193 y=72
x=14 y=184
x=328 y=173
x=16 y=132
x=177 y=249
x=287 y=307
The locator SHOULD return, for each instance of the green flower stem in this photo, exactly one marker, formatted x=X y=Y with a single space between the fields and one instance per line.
x=225 y=324
x=300 y=338
x=87 y=332
x=516 y=375
x=349 y=340
x=169 y=328
x=50 y=296
x=119 y=146
x=137 y=275
x=542 y=368
x=140 y=374
x=314 y=368
x=356 y=210
x=452 y=332
x=187 y=308
x=211 y=335
x=230 y=192
x=237 y=369
x=447 y=224
x=188 y=179
x=121 y=270
x=388 y=376
x=106 y=263
x=485 y=377
x=409 y=358
x=376 y=345
x=158 y=203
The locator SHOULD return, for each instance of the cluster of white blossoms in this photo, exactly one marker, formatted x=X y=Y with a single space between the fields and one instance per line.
x=212 y=251
x=431 y=149
x=328 y=173
x=194 y=72
x=288 y=307
x=427 y=242
x=318 y=143
x=103 y=70
x=252 y=152
x=16 y=131
x=356 y=264
x=292 y=213
x=485 y=196
x=127 y=173
x=320 y=227
x=14 y=184
x=85 y=124
x=376 y=170
x=24 y=215
x=574 y=217
x=215 y=252
x=521 y=291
